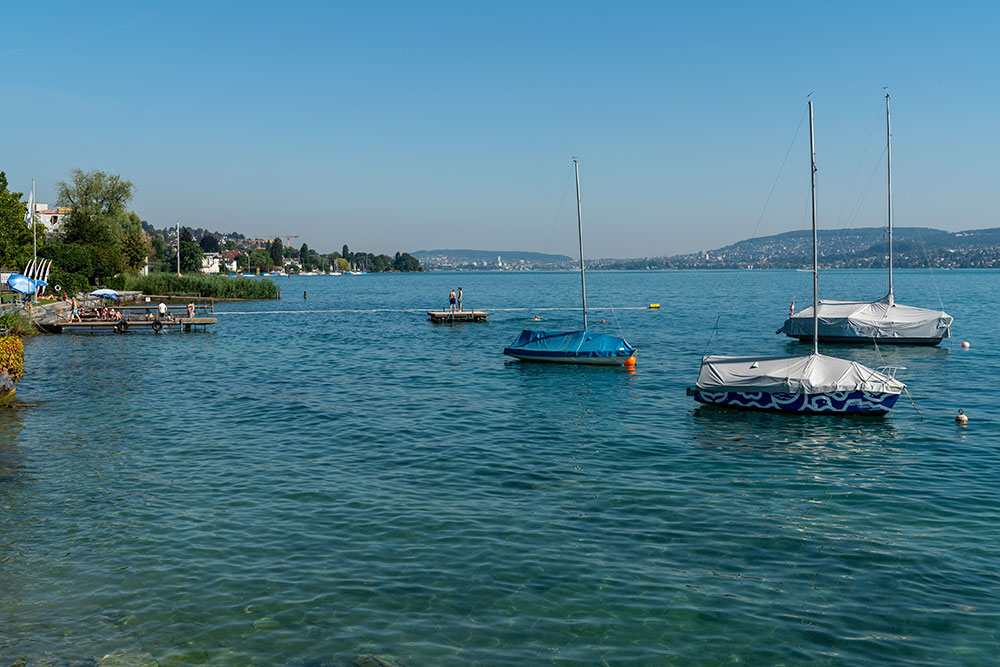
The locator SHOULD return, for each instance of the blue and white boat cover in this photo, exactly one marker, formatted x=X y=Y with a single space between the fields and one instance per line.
x=570 y=346
x=862 y=321
x=809 y=374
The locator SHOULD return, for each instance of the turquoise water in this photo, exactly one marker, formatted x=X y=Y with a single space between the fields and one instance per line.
x=306 y=487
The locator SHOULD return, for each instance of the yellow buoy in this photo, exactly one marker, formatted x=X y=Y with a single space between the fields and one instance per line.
x=654 y=306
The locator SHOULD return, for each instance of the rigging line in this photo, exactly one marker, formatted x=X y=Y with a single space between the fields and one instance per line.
x=912 y=403
x=760 y=218
x=861 y=161
x=558 y=211
x=930 y=269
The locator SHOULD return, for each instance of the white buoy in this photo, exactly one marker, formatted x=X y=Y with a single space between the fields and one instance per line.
x=965 y=344
x=961 y=417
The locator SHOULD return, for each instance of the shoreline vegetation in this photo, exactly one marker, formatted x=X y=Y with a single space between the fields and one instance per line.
x=202 y=286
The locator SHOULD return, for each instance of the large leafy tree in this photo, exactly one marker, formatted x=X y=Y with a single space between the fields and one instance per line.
x=15 y=234
x=99 y=224
x=98 y=201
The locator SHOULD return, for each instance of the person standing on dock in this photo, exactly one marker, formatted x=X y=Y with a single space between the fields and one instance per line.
x=459 y=299
x=451 y=302
x=163 y=310
x=190 y=309
x=75 y=312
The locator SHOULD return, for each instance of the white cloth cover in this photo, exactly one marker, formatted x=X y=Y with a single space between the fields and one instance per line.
x=810 y=374
x=870 y=319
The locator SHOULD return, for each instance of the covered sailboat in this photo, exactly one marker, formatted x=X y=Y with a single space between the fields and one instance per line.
x=882 y=321
x=573 y=347
x=812 y=383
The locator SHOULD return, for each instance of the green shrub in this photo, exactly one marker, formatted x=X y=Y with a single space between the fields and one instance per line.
x=198 y=285
x=18 y=323
x=115 y=282
x=71 y=283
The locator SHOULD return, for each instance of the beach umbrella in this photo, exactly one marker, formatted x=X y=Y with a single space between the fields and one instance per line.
x=105 y=294
x=24 y=284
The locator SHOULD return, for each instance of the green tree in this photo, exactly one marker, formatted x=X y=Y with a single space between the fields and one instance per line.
x=15 y=234
x=209 y=243
x=260 y=259
x=341 y=264
x=135 y=250
x=276 y=252
x=304 y=257
x=98 y=201
x=191 y=256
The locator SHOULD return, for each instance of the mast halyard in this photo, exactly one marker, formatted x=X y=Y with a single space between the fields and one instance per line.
x=815 y=271
x=888 y=148
x=579 y=226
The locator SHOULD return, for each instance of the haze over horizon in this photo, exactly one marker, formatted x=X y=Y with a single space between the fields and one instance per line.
x=394 y=126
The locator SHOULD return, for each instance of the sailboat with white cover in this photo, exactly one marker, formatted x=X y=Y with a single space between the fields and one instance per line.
x=882 y=321
x=813 y=383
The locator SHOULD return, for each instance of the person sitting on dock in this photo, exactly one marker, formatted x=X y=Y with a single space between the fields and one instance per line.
x=451 y=302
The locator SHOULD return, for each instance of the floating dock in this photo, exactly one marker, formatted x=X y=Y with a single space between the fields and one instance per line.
x=460 y=316
x=184 y=323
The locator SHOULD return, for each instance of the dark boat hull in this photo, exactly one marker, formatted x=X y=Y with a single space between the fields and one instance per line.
x=841 y=402
x=852 y=340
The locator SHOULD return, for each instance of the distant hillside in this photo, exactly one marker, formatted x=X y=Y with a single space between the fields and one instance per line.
x=914 y=247
x=488 y=259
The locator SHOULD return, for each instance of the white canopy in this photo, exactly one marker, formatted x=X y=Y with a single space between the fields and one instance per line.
x=810 y=374
x=870 y=319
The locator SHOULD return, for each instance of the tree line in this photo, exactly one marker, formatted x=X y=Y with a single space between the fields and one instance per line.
x=101 y=239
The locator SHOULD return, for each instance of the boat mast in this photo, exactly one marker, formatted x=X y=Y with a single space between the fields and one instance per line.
x=815 y=271
x=579 y=226
x=888 y=148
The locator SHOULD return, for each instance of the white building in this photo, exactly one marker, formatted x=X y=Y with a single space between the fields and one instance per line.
x=52 y=218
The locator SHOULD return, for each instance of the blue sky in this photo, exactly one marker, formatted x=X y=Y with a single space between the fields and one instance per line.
x=405 y=126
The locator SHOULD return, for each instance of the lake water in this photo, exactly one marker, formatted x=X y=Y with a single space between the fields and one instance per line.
x=302 y=488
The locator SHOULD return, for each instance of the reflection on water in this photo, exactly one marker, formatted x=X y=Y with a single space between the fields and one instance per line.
x=807 y=435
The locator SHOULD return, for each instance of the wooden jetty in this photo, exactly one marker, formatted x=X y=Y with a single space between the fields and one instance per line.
x=135 y=318
x=459 y=316
x=143 y=324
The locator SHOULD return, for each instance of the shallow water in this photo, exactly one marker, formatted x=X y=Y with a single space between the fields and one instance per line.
x=305 y=487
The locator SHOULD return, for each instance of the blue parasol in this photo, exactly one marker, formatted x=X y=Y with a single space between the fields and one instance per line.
x=105 y=294
x=24 y=284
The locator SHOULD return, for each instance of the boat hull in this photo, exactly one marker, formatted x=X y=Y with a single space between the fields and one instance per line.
x=839 y=402
x=524 y=355
x=856 y=340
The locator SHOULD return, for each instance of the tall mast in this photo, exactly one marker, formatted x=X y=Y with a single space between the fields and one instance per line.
x=888 y=148
x=579 y=226
x=812 y=176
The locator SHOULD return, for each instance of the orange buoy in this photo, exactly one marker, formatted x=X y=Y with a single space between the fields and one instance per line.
x=961 y=417
x=630 y=362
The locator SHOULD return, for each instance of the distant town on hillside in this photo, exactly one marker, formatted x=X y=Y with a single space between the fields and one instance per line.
x=866 y=247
